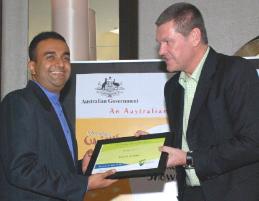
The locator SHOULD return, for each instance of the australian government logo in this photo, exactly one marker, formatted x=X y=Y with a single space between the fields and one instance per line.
x=109 y=87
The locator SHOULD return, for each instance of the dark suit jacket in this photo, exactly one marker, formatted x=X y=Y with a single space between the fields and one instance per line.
x=223 y=128
x=36 y=163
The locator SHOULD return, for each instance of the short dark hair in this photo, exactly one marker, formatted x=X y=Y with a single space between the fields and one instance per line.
x=186 y=16
x=40 y=37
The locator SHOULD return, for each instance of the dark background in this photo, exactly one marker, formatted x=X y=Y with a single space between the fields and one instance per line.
x=0 y=42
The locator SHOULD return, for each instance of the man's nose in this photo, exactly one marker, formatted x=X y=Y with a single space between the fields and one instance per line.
x=161 y=50
x=60 y=62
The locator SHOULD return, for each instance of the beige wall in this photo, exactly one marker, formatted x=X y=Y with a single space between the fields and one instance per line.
x=39 y=17
x=108 y=46
x=107 y=18
x=14 y=45
x=230 y=23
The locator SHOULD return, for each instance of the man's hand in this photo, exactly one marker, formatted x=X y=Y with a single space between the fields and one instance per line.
x=140 y=132
x=99 y=180
x=86 y=160
x=176 y=157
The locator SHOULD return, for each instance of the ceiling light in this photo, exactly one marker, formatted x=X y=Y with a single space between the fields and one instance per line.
x=115 y=31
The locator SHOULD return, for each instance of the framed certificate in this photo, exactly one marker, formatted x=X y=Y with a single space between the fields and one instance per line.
x=130 y=156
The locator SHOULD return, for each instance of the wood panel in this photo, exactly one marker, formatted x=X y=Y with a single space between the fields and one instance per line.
x=128 y=24
x=0 y=44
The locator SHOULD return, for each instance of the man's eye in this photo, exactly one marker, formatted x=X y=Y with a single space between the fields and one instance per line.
x=167 y=42
x=50 y=57
x=67 y=58
x=164 y=42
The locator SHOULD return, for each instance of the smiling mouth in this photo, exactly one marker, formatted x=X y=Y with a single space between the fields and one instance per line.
x=58 y=72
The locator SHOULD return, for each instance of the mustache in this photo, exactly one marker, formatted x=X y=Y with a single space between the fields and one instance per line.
x=166 y=58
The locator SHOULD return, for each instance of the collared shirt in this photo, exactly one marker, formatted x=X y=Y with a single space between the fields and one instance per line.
x=54 y=99
x=189 y=83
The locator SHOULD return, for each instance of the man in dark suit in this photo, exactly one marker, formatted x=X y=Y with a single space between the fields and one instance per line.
x=212 y=105
x=38 y=148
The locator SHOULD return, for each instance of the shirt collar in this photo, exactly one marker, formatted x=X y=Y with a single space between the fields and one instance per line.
x=51 y=95
x=197 y=72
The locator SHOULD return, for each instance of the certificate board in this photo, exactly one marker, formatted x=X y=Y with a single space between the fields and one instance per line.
x=131 y=156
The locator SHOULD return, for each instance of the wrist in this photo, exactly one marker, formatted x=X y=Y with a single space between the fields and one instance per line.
x=189 y=160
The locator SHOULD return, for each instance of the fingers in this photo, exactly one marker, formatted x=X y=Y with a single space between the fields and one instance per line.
x=109 y=172
x=97 y=181
x=86 y=160
x=140 y=132
x=89 y=152
x=176 y=157
x=166 y=149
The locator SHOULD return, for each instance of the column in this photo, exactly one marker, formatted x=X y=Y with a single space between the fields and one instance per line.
x=14 y=45
x=70 y=19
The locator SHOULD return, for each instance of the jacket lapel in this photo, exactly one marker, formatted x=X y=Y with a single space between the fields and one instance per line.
x=175 y=106
x=203 y=86
x=54 y=122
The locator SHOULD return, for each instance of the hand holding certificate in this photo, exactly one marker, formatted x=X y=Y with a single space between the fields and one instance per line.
x=130 y=156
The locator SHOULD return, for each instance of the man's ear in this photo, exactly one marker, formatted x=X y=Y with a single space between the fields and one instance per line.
x=31 y=67
x=196 y=36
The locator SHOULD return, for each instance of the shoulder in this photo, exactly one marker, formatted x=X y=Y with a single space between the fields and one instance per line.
x=14 y=105
x=19 y=94
x=236 y=77
x=228 y=69
x=14 y=95
x=235 y=65
x=20 y=98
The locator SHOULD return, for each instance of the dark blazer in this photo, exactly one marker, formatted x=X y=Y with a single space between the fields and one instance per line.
x=36 y=164
x=223 y=128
